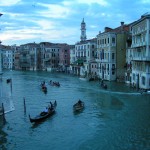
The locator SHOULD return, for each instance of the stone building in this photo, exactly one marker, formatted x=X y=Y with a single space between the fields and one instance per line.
x=141 y=52
x=111 y=52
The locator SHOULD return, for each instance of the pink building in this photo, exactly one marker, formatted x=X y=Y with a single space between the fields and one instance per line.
x=64 y=57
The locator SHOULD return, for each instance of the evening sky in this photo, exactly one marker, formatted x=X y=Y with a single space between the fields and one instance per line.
x=58 y=21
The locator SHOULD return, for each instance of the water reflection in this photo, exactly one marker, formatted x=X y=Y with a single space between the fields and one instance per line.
x=110 y=102
x=3 y=135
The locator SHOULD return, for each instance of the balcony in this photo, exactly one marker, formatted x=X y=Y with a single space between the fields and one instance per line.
x=141 y=58
x=138 y=44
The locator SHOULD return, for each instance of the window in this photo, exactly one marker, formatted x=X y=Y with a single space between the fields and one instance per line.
x=133 y=76
x=113 y=72
x=93 y=53
x=113 y=66
x=113 y=40
x=143 y=80
x=108 y=67
x=113 y=56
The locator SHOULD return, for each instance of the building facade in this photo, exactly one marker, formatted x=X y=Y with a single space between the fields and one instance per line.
x=111 y=52
x=141 y=52
x=106 y=55
x=83 y=55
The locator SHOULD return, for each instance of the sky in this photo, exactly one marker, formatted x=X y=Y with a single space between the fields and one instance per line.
x=59 y=21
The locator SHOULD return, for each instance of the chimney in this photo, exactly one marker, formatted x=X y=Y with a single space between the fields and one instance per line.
x=122 y=24
x=107 y=29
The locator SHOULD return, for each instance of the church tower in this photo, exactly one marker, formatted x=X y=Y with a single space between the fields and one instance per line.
x=83 y=31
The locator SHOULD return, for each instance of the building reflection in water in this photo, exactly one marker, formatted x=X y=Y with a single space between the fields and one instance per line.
x=3 y=135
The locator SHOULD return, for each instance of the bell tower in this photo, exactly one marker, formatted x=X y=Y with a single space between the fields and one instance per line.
x=83 y=31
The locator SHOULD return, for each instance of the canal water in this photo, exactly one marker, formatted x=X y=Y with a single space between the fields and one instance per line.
x=114 y=119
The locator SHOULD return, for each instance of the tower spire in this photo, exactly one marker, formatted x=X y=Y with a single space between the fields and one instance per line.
x=83 y=30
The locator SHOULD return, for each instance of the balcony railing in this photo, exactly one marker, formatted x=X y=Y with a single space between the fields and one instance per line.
x=141 y=58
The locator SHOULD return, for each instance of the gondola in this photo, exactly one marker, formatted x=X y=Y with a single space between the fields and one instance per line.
x=103 y=85
x=8 y=80
x=78 y=106
x=57 y=84
x=91 y=79
x=43 y=115
x=145 y=91
x=44 y=89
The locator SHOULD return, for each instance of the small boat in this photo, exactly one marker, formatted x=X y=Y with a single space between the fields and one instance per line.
x=44 y=114
x=145 y=91
x=103 y=85
x=91 y=79
x=8 y=80
x=78 y=106
x=53 y=83
x=44 y=89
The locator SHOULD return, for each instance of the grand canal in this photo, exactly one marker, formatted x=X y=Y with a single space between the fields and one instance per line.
x=114 y=119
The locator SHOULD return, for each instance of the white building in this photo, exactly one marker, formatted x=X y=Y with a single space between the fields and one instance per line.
x=106 y=55
x=83 y=54
x=141 y=52
x=7 y=59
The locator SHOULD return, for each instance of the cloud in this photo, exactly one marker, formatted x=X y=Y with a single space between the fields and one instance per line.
x=93 y=26
x=45 y=24
x=13 y=15
x=9 y=2
x=45 y=31
x=145 y=1
x=89 y=2
x=17 y=35
x=54 y=11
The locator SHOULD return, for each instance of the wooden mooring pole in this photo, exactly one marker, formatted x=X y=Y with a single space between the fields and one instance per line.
x=3 y=111
x=11 y=85
x=24 y=102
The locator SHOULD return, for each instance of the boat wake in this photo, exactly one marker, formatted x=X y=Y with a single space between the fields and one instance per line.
x=83 y=79
x=121 y=93
x=126 y=93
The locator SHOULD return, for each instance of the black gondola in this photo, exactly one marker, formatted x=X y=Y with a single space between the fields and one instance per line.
x=8 y=80
x=44 y=89
x=78 y=106
x=43 y=115
x=103 y=85
x=91 y=79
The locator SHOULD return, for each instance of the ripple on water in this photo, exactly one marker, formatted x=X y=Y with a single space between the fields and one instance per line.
x=116 y=119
